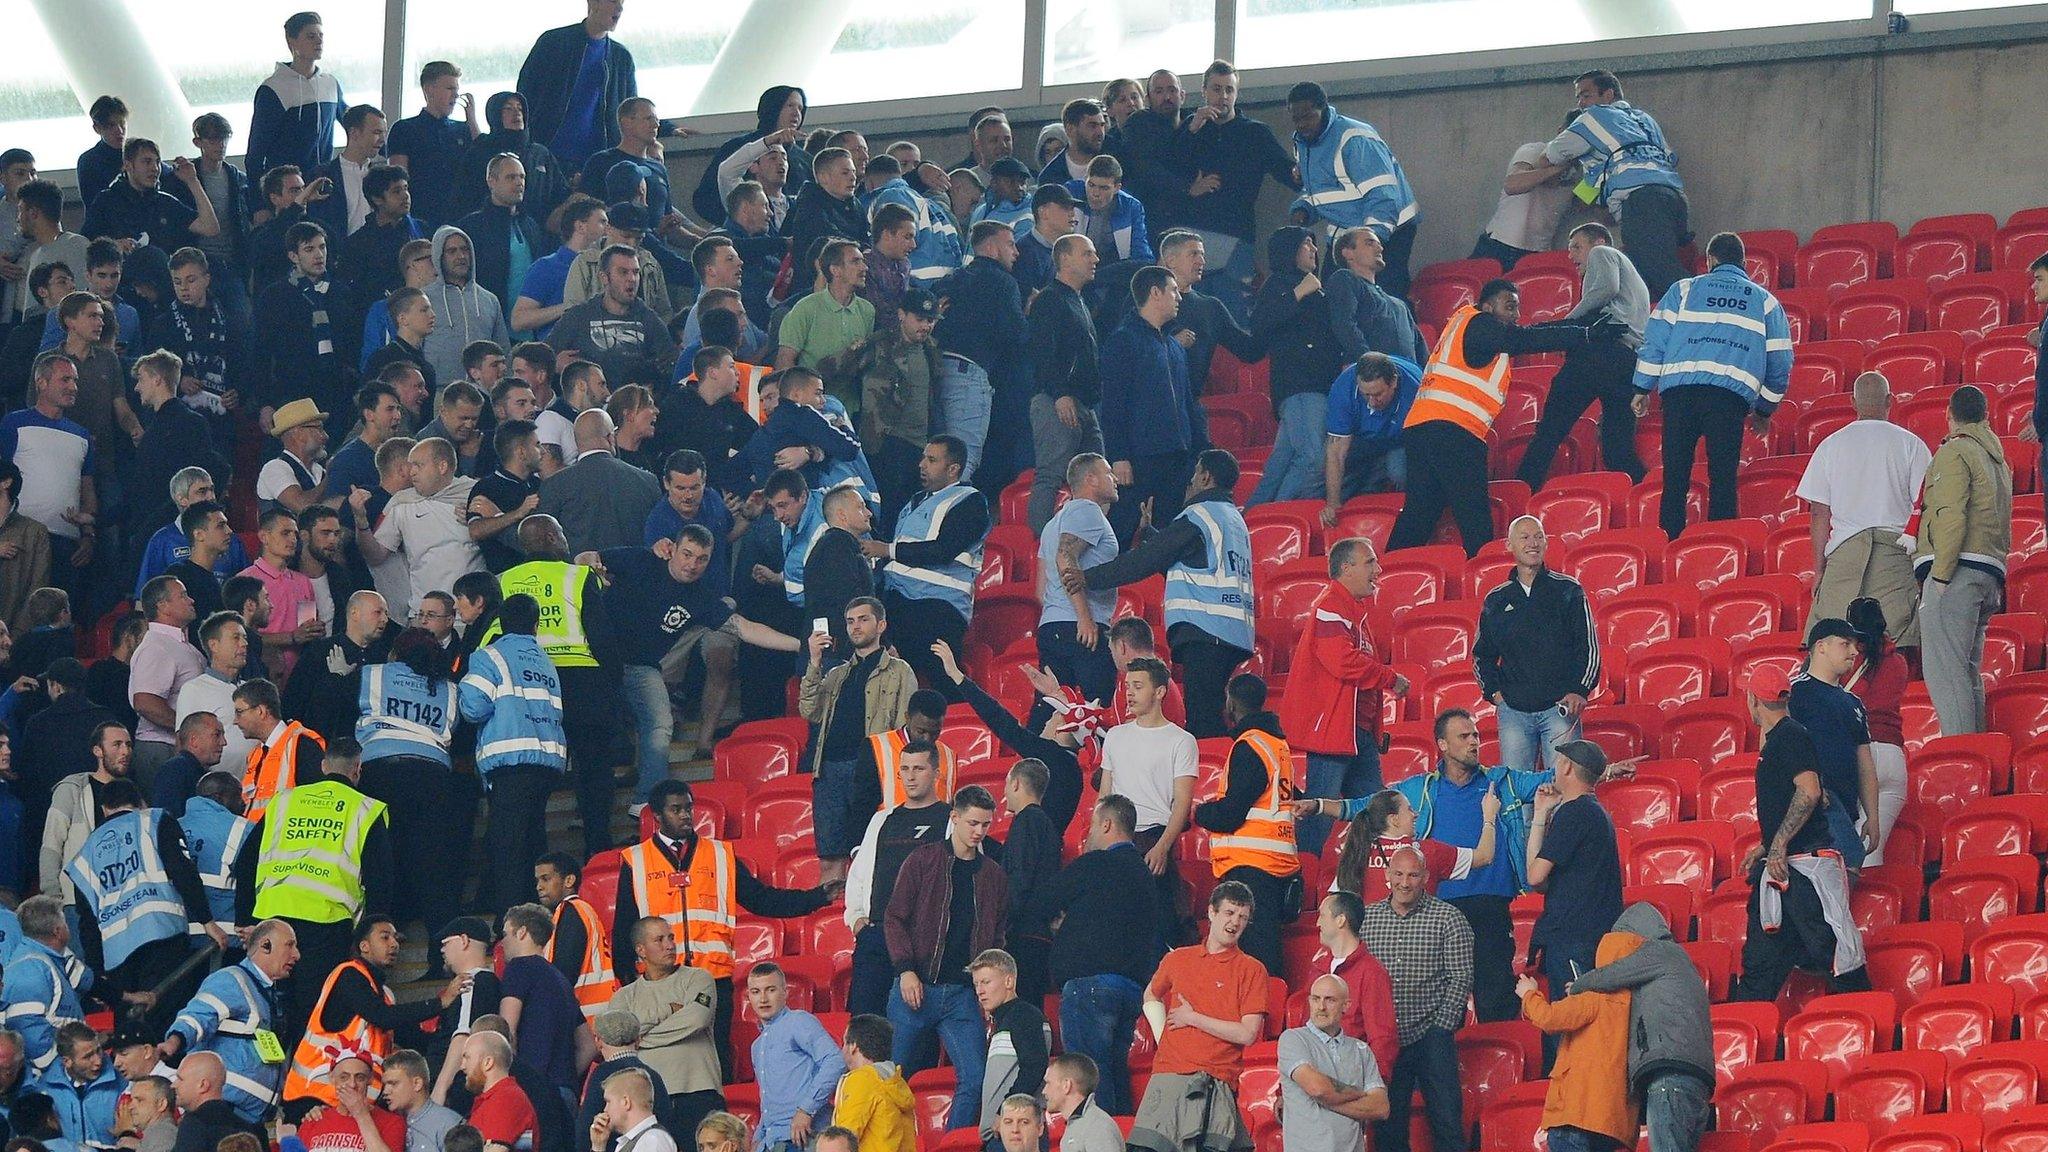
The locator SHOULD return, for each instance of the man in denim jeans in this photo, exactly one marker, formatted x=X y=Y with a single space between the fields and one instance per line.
x=1100 y=972
x=1671 y=1033
x=1537 y=652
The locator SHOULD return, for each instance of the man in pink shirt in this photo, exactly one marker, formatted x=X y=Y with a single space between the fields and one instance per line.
x=162 y=664
x=294 y=613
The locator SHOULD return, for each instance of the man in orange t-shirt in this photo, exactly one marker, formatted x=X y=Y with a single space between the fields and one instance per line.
x=1206 y=1003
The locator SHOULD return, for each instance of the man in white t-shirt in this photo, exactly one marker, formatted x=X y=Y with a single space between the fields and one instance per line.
x=1861 y=484
x=1532 y=203
x=225 y=640
x=425 y=522
x=1151 y=762
x=293 y=479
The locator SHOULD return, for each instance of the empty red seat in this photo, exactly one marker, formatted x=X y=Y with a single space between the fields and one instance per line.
x=1437 y=635
x=1679 y=671
x=1437 y=297
x=1711 y=552
x=1417 y=576
x=1947 y=1132
x=779 y=812
x=1885 y=1087
x=1918 y=361
x=1728 y=796
x=1829 y=1136
x=2013 y=953
x=2024 y=1129
x=1979 y=894
x=1781 y=245
x=1870 y=312
x=1644 y=616
x=1573 y=506
x=1832 y=265
x=1935 y=253
x=1005 y=614
x=1281 y=532
x=1765 y=1099
x=1693 y=855
x=1978 y=303
x=1745 y=1033
x=1624 y=730
x=1750 y=607
x=1840 y=1030
x=1955 y=1021
x=1998 y=1078
x=1514 y=1121
x=1938 y=786
x=1494 y=1058
x=2019 y=244
x=1708 y=730
x=1999 y=359
x=1640 y=806
x=1547 y=293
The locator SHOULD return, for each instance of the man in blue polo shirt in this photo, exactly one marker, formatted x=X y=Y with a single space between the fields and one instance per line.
x=1834 y=717
x=1362 y=449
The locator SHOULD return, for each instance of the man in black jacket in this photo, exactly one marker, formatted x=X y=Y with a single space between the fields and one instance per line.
x=1068 y=373
x=1031 y=859
x=825 y=207
x=1248 y=786
x=837 y=571
x=1152 y=169
x=55 y=742
x=984 y=321
x=1100 y=959
x=493 y=227
x=1292 y=320
x=310 y=328
x=561 y=112
x=1204 y=322
x=327 y=679
x=176 y=437
x=1537 y=652
x=1222 y=161
x=1446 y=458
x=208 y=1117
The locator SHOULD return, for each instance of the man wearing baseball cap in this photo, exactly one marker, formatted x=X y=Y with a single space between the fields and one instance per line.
x=1834 y=717
x=1575 y=861
x=1799 y=890
x=1053 y=215
x=897 y=370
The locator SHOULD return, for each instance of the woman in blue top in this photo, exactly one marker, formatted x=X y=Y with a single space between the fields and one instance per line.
x=408 y=722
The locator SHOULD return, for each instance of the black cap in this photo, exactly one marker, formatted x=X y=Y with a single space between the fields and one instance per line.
x=1052 y=194
x=627 y=216
x=132 y=1033
x=918 y=302
x=1009 y=166
x=1827 y=627
x=1585 y=754
x=475 y=927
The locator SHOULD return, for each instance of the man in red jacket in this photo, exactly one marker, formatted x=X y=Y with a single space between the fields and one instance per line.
x=1334 y=689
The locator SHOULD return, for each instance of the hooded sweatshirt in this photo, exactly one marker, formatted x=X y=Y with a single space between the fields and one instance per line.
x=462 y=313
x=708 y=202
x=547 y=181
x=875 y=1104
x=1670 y=1029
x=1298 y=335
x=1589 y=1082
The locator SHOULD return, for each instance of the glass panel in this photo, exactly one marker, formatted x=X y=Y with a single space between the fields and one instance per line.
x=216 y=64
x=885 y=50
x=1917 y=7
x=1104 y=39
x=1275 y=33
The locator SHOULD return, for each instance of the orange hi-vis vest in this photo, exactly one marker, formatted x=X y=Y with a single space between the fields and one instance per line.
x=888 y=763
x=273 y=768
x=1455 y=391
x=595 y=982
x=1266 y=838
x=700 y=903
x=319 y=1049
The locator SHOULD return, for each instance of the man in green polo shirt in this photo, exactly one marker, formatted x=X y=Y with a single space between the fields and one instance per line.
x=826 y=330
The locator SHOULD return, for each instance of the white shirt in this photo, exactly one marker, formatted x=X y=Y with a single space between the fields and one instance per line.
x=323 y=599
x=648 y=1136
x=352 y=175
x=554 y=428
x=277 y=476
x=1868 y=473
x=434 y=539
x=1529 y=221
x=211 y=693
x=1144 y=763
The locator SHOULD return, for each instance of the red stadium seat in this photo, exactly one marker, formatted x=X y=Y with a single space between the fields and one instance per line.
x=1781 y=245
x=1282 y=532
x=1494 y=1058
x=1765 y=1099
x=1641 y=806
x=1884 y=1087
x=1947 y=1132
x=2019 y=244
x=1745 y=1033
x=1832 y=265
x=1999 y=360
x=1979 y=894
x=1882 y=235
x=1693 y=855
x=1437 y=635
x=1715 y=963
x=1418 y=576
x=1547 y=293
x=1830 y=1136
x=1840 y=1030
x=1870 y=312
x=2024 y=1129
x=1956 y=1021
x=753 y=760
x=1573 y=506
x=600 y=884
x=1942 y=781
x=1674 y=902
x=1679 y=671
x=1806 y=313
x=1998 y=1078
x=1643 y=617
x=1514 y=1122
x=1708 y=731
x=1683 y=775
x=1917 y=361
x=1976 y=304
x=1616 y=559
x=1711 y=552
x=827 y=936
x=2013 y=953
x=1729 y=796
x=1984 y=833
x=1624 y=730
x=1437 y=298
x=779 y=812
x=1935 y=254
x=1751 y=607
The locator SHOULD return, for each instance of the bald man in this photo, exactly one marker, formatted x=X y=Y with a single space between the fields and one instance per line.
x=1330 y=1085
x=1536 y=653
x=209 y=1117
x=600 y=500
x=499 y=1108
x=1861 y=485
x=355 y=1112
x=325 y=683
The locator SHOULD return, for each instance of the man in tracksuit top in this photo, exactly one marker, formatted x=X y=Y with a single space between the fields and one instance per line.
x=1536 y=655
x=1349 y=178
x=892 y=835
x=296 y=108
x=951 y=903
x=235 y=1009
x=1717 y=349
x=1152 y=422
x=1631 y=170
x=1205 y=553
x=939 y=252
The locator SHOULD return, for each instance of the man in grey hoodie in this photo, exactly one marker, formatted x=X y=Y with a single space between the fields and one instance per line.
x=1609 y=287
x=1671 y=1034
x=464 y=311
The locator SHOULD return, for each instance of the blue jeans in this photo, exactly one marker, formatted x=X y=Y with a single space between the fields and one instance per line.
x=1295 y=469
x=1565 y=1138
x=1337 y=777
x=832 y=821
x=654 y=725
x=1675 y=1109
x=1526 y=738
x=1377 y=466
x=961 y=402
x=1842 y=831
x=951 y=1011
x=1092 y=670
x=1099 y=1017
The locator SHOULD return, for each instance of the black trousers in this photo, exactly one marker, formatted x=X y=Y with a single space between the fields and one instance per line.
x=1166 y=894
x=1446 y=469
x=1261 y=939
x=1092 y=670
x=591 y=724
x=1692 y=413
x=1205 y=668
x=689 y=1109
x=516 y=834
x=1395 y=278
x=1507 y=254
x=1493 y=957
x=1803 y=940
x=1653 y=226
x=914 y=624
x=420 y=793
x=1033 y=955
x=894 y=463
x=873 y=974
x=1162 y=479
x=149 y=967
x=1428 y=1064
x=1597 y=373
x=721 y=1023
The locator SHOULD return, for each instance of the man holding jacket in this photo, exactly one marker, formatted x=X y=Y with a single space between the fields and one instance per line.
x=1671 y=1035
x=1608 y=286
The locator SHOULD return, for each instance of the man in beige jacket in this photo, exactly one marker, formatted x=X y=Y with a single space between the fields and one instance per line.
x=1964 y=530
x=868 y=693
x=675 y=1006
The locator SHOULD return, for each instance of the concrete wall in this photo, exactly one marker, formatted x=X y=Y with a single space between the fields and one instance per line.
x=1799 y=143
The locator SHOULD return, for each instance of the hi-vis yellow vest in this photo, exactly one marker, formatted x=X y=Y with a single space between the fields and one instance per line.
x=309 y=865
